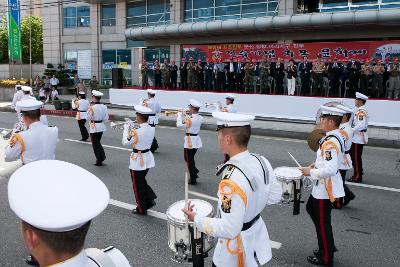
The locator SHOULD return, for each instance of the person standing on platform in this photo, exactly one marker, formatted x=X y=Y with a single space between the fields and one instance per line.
x=165 y=74
x=208 y=73
x=366 y=72
x=219 y=75
x=56 y=216
x=199 y=83
x=334 y=72
x=183 y=74
x=97 y=115
x=191 y=72
x=318 y=75
x=377 y=79
x=94 y=83
x=305 y=69
x=248 y=184
x=239 y=75
x=82 y=105
x=191 y=122
x=279 y=75
x=248 y=76
x=54 y=82
x=155 y=106
x=174 y=75
x=347 y=133
x=353 y=68
x=394 y=79
x=140 y=136
x=291 y=77
x=264 y=72
x=145 y=74
x=360 y=137
x=328 y=185
x=157 y=75
x=230 y=70
x=386 y=76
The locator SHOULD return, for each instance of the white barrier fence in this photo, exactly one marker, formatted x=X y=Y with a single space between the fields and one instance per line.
x=381 y=112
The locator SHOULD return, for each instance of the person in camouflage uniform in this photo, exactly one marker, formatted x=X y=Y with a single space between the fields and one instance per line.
x=248 y=76
x=165 y=74
x=145 y=76
x=199 y=76
x=191 y=74
x=264 y=71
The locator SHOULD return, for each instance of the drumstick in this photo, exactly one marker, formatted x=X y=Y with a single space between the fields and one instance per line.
x=297 y=163
x=186 y=189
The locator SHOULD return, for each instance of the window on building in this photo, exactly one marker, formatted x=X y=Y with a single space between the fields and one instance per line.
x=228 y=9
x=76 y=17
x=108 y=15
x=116 y=58
x=146 y=12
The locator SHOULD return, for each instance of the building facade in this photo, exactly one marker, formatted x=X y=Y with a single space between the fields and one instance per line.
x=92 y=36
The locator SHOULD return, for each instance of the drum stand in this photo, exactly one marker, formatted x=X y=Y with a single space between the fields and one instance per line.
x=197 y=247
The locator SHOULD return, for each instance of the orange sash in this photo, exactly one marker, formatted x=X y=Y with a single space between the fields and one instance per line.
x=188 y=123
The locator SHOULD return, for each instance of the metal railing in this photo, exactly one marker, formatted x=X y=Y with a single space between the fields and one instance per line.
x=147 y=22
x=380 y=4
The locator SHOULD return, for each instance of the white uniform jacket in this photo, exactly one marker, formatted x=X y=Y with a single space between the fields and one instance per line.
x=97 y=115
x=17 y=97
x=360 y=126
x=37 y=143
x=155 y=108
x=347 y=134
x=139 y=139
x=192 y=126
x=82 y=260
x=326 y=171
x=238 y=208
x=82 y=106
x=229 y=108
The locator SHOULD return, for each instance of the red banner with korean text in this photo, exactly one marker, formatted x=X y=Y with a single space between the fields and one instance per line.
x=360 y=50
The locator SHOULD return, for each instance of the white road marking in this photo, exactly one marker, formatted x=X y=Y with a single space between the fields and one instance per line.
x=215 y=199
x=163 y=216
x=108 y=146
x=375 y=187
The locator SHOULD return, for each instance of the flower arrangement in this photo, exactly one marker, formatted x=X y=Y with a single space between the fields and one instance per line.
x=11 y=83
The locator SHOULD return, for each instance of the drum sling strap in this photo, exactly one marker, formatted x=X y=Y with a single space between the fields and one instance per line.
x=100 y=257
x=253 y=185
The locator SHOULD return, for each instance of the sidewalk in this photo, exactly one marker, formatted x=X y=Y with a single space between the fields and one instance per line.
x=378 y=136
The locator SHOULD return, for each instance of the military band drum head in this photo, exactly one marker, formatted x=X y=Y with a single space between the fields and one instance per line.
x=56 y=196
x=287 y=173
x=201 y=208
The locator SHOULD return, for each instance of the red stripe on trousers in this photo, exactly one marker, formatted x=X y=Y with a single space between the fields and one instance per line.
x=135 y=192
x=356 y=177
x=325 y=253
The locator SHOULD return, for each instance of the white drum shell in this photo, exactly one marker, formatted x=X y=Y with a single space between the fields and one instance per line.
x=287 y=176
x=177 y=232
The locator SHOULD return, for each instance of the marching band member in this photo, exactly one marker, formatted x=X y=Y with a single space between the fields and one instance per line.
x=347 y=133
x=54 y=224
x=155 y=106
x=247 y=186
x=192 y=142
x=97 y=114
x=17 y=97
x=229 y=99
x=140 y=136
x=82 y=104
x=38 y=141
x=328 y=186
x=360 y=137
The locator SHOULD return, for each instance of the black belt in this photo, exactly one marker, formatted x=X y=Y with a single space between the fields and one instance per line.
x=152 y=115
x=347 y=152
x=152 y=125
x=249 y=224
x=82 y=110
x=142 y=151
x=191 y=134
x=363 y=131
x=97 y=121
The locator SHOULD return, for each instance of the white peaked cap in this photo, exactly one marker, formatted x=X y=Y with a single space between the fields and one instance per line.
x=62 y=198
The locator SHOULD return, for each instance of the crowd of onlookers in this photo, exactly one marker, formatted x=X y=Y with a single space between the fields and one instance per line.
x=319 y=77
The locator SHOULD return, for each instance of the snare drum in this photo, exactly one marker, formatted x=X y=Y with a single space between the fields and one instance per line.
x=289 y=177
x=179 y=240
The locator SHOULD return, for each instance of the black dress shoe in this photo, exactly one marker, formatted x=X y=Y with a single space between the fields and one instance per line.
x=316 y=261
x=84 y=140
x=348 y=199
x=316 y=252
x=353 y=181
x=136 y=211
x=152 y=204
x=192 y=182
x=30 y=260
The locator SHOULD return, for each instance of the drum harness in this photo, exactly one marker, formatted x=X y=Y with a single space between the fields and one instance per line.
x=253 y=185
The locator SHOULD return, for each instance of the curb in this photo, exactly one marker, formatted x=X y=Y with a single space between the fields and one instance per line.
x=211 y=127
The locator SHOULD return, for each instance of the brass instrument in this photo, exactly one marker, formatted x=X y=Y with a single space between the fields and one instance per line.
x=173 y=112
x=18 y=127
x=74 y=104
x=121 y=125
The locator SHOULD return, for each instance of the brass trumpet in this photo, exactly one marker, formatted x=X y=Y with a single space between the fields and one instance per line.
x=121 y=125
x=173 y=112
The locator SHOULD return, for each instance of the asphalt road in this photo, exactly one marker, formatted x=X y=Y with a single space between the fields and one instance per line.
x=366 y=232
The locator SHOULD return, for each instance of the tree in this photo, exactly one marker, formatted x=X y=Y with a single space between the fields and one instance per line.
x=37 y=39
